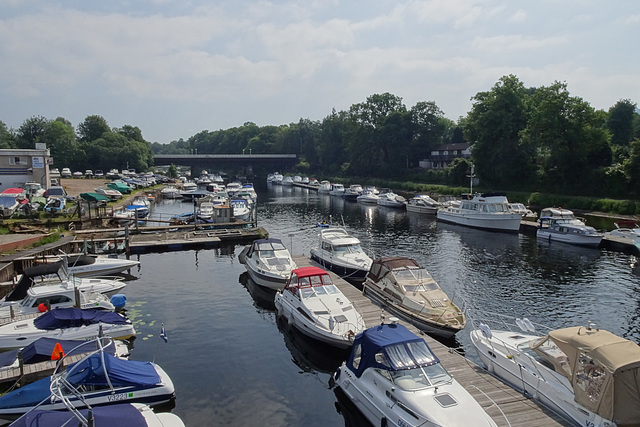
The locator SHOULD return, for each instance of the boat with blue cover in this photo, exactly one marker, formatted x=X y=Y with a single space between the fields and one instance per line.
x=123 y=414
x=65 y=323
x=394 y=379
x=97 y=379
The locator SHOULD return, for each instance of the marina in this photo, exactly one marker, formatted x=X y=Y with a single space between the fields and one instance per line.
x=209 y=305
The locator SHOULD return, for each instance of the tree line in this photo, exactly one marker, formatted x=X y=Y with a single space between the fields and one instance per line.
x=521 y=138
x=93 y=145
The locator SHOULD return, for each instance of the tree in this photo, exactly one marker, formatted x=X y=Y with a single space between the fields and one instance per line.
x=429 y=127
x=92 y=128
x=7 y=139
x=31 y=132
x=571 y=139
x=493 y=129
x=621 y=122
x=172 y=172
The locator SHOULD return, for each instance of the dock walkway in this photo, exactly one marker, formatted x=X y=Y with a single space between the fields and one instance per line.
x=519 y=410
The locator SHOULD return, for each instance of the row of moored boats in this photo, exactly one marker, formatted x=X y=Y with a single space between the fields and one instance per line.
x=68 y=310
x=391 y=374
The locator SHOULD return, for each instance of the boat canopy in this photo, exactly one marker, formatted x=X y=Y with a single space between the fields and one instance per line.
x=389 y=347
x=94 y=197
x=111 y=415
x=27 y=279
x=382 y=266
x=122 y=373
x=266 y=247
x=72 y=317
x=306 y=277
x=120 y=186
x=604 y=370
x=41 y=349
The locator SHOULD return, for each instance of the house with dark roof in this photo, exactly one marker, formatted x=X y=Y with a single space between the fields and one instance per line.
x=443 y=155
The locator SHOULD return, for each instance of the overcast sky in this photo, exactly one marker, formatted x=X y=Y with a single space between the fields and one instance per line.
x=177 y=67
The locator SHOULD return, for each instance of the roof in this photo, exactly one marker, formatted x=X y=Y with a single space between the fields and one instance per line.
x=308 y=271
x=447 y=147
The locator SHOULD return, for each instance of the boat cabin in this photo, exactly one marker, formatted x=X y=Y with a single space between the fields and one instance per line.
x=603 y=370
x=398 y=355
x=408 y=275
x=338 y=241
x=487 y=203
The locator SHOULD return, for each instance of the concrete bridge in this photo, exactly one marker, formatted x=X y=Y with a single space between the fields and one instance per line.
x=229 y=162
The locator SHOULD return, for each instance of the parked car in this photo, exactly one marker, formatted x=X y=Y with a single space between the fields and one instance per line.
x=66 y=173
x=88 y=173
x=99 y=173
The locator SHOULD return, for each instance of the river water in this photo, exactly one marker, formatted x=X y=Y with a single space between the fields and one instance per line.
x=233 y=363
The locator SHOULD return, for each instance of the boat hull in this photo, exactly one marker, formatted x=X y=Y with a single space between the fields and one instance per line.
x=350 y=273
x=266 y=280
x=422 y=323
x=585 y=240
x=507 y=222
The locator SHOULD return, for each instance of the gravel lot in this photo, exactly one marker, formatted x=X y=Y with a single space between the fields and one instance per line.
x=75 y=186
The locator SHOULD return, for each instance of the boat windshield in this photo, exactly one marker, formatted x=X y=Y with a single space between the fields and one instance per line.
x=415 y=279
x=315 y=291
x=415 y=366
x=347 y=249
x=7 y=201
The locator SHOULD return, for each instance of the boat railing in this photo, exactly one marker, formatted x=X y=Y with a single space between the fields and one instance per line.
x=493 y=403
x=504 y=322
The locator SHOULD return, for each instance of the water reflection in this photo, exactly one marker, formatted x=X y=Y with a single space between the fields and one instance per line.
x=351 y=414
x=262 y=297
x=310 y=355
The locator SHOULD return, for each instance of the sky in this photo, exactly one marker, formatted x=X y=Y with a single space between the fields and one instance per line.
x=174 y=68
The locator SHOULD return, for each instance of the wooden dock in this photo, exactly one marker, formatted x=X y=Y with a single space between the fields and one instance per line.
x=187 y=240
x=519 y=410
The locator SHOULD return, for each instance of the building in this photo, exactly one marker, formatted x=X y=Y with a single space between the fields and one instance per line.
x=18 y=166
x=443 y=155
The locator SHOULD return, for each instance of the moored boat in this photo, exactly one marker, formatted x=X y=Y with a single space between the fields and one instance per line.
x=561 y=225
x=340 y=252
x=316 y=307
x=388 y=198
x=585 y=374
x=404 y=288
x=268 y=262
x=487 y=211
x=422 y=203
x=394 y=379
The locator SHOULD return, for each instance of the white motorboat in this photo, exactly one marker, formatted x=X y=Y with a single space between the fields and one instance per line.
x=448 y=200
x=40 y=276
x=233 y=187
x=561 y=225
x=337 y=190
x=67 y=324
x=368 y=197
x=352 y=192
x=124 y=217
x=586 y=375
x=422 y=203
x=135 y=414
x=110 y=193
x=628 y=230
x=297 y=179
x=278 y=178
x=241 y=209
x=340 y=252
x=316 y=307
x=402 y=287
x=97 y=379
x=206 y=210
x=170 y=192
x=390 y=199
x=488 y=211
x=42 y=298
x=287 y=181
x=80 y=265
x=394 y=379
x=325 y=187
x=268 y=262
x=142 y=200
x=520 y=208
